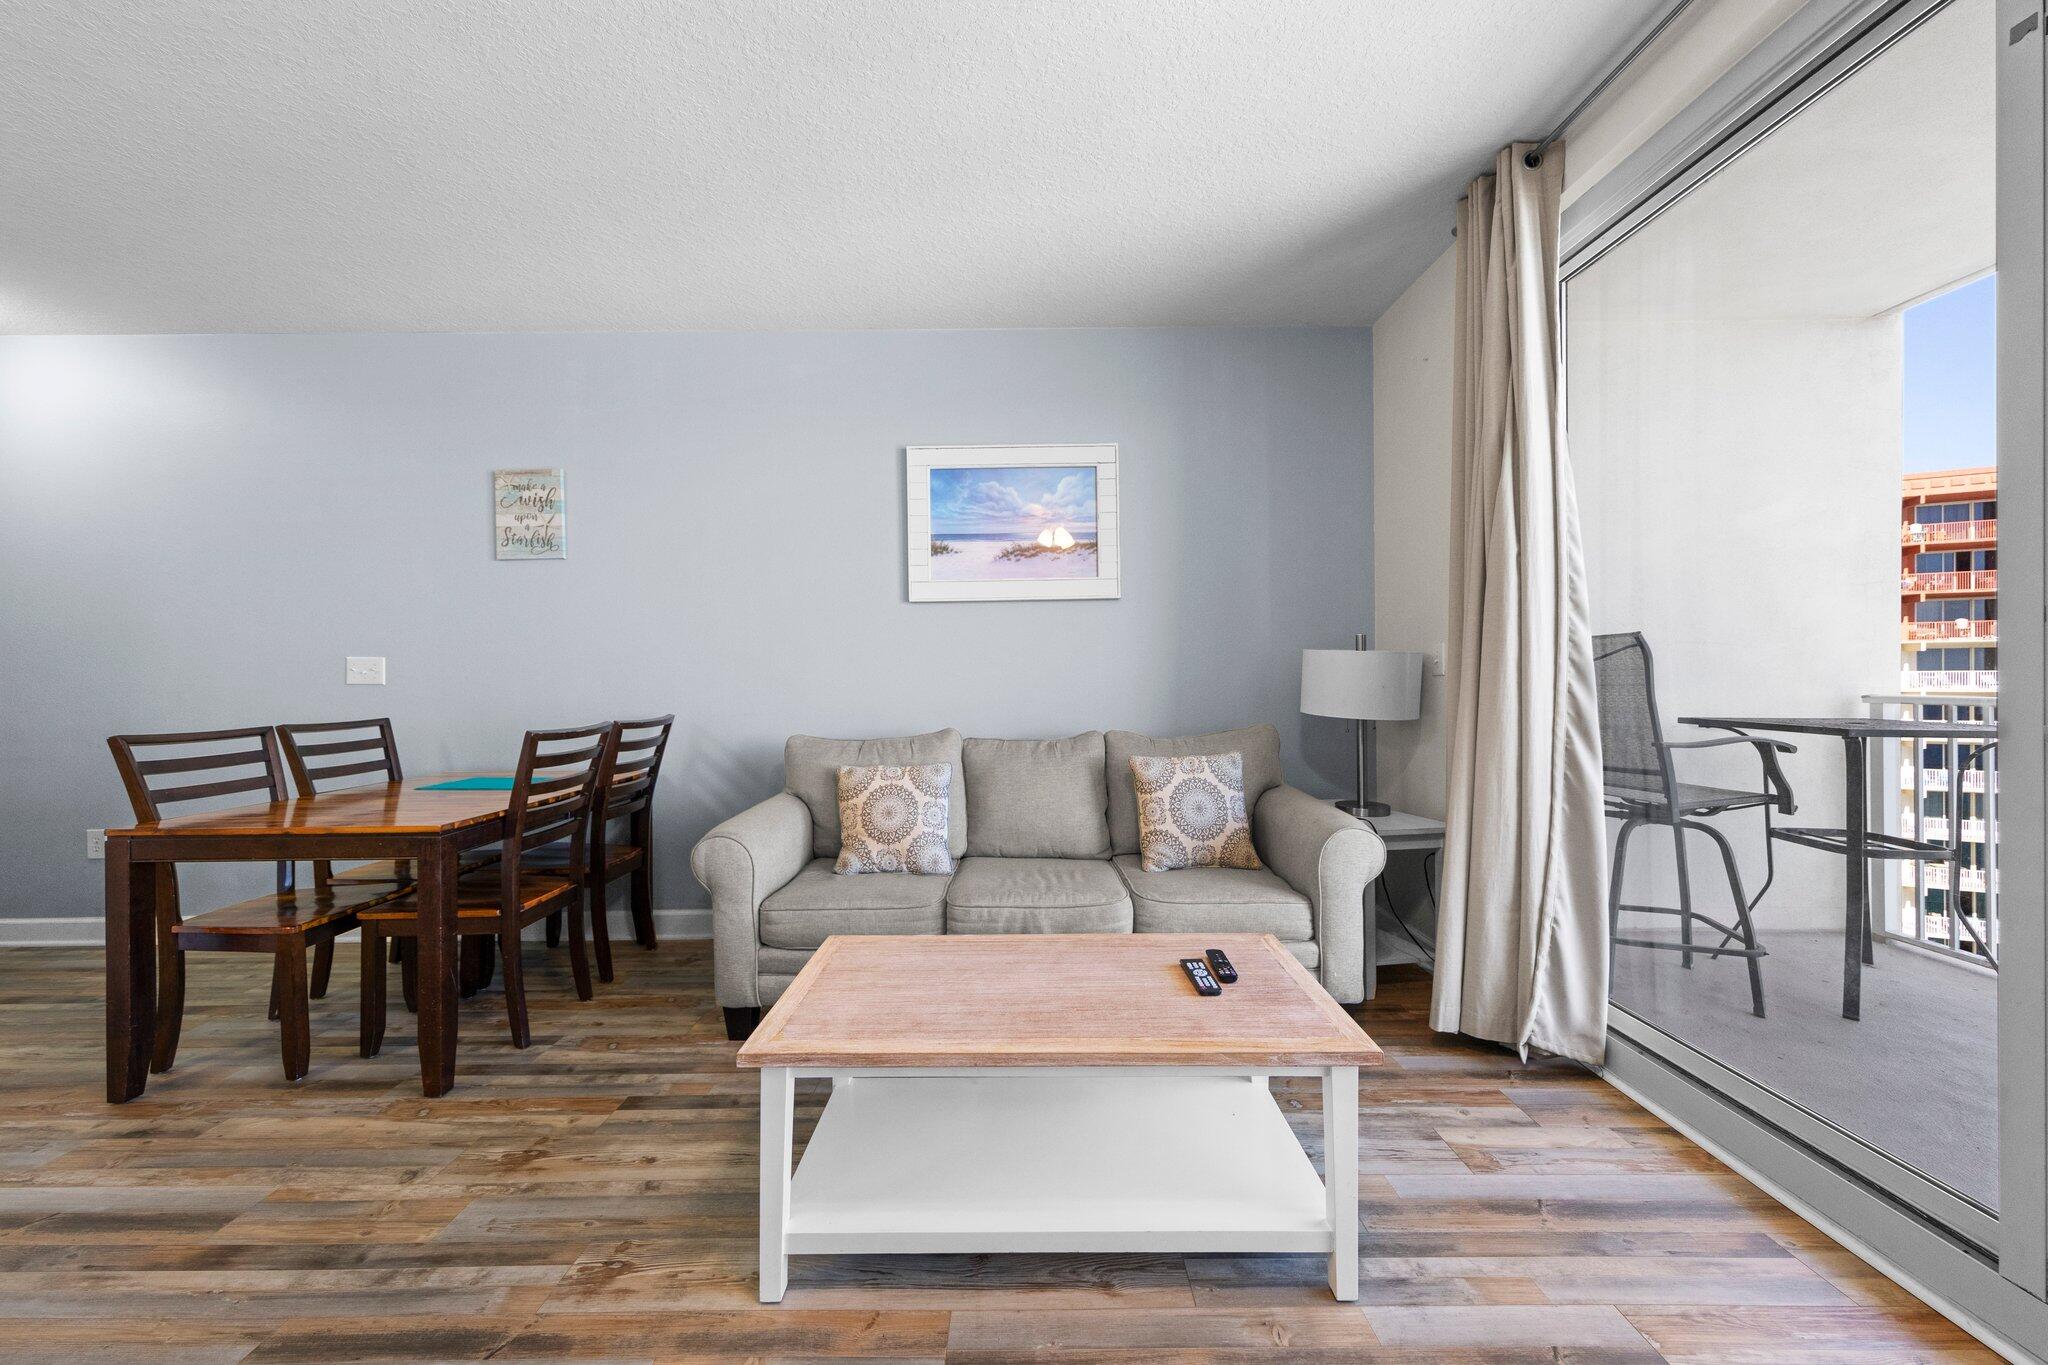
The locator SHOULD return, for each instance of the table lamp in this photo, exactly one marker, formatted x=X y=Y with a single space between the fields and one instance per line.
x=1363 y=685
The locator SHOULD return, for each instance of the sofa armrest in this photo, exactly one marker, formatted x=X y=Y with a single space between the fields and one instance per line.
x=1332 y=859
x=741 y=863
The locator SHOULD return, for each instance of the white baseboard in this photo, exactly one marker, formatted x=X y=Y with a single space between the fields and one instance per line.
x=91 y=933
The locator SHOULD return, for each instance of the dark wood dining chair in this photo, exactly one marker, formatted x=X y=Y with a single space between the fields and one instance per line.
x=629 y=797
x=553 y=797
x=283 y=924
x=332 y=758
x=327 y=755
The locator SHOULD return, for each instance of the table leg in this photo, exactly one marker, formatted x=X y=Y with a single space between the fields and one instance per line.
x=439 y=1004
x=778 y=1142
x=1856 y=897
x=1340 y=1177
x=131 y=972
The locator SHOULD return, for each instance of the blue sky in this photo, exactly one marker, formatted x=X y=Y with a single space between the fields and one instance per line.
x=1009 y=501
x=1950 y=385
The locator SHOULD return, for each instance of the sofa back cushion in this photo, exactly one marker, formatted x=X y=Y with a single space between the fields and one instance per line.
x=1260 y=745
x=1037 y=798
x=810 y=771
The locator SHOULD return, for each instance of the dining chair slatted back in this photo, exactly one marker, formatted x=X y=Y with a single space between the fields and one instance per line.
x=251 y=754
x=329 y=752
x=343 y=753
x=636 y=765
x=553 y=792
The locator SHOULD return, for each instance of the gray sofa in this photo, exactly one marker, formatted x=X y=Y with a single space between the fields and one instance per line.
x=1044 y=836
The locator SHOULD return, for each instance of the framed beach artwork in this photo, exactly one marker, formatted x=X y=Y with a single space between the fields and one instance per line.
x=1012 y=523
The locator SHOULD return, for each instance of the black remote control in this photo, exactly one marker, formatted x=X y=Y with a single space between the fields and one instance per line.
x=1221 y=965
x=1198 y=972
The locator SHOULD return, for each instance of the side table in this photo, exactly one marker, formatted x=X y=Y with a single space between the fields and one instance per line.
x=1402 y=833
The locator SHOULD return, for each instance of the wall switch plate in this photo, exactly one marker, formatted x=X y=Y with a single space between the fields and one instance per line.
x=96 y=844
x=1436 y=661
x=365 y=670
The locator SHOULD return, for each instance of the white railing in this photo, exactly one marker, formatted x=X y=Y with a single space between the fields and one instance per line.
x=1935 y=827
x=1936 y=779
x=1948 y=680
x=1907 y=912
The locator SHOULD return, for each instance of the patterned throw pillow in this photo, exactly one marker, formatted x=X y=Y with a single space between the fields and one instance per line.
x=894 y=819
x=1191 y=812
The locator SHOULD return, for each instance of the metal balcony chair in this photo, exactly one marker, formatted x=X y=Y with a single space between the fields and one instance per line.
x=1643 y=788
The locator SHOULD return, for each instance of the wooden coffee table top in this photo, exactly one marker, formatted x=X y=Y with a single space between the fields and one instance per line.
x=1052 y=1000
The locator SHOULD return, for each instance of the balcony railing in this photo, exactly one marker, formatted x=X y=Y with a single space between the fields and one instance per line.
x=1957 y=580
x=1968 y=628
x=1949 y=680
x=1947 y=532
x=1936 y=779
x=1924 y=908
x=1935 y=827
x=1935 y=877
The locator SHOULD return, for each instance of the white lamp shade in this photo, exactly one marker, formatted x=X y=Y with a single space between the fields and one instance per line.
x=1361 y=684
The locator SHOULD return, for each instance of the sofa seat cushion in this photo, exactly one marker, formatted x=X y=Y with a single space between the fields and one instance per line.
x=1036 y=798
x=817 y=903
x=1222 y=900
x=1037 y=896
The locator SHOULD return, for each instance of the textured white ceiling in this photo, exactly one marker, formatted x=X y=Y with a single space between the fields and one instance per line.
x=459 y=165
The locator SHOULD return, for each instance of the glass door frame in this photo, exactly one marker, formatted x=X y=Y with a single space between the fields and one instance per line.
x=1987 y=1270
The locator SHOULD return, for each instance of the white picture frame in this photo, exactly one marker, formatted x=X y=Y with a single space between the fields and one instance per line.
x=919 y=462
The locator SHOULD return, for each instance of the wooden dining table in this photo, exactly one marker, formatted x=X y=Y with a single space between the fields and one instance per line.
x=396 y=820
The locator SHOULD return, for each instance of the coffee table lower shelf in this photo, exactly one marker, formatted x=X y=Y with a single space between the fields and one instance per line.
x=1102 y=1160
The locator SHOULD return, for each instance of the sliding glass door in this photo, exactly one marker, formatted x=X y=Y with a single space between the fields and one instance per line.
x=1805 y=555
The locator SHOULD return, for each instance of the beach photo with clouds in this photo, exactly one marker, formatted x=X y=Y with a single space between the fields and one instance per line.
x=1010 y=523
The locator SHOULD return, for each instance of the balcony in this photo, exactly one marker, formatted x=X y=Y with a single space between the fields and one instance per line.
x=1974 y=631
x=1977 y=582
x=1936 y=779
x=1935 y=828
x=1949 y=533
x=1949 y=679
x=1912 y=1076
x=1935 y=877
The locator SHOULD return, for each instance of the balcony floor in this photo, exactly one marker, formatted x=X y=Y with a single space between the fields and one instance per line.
x=1915 y=1077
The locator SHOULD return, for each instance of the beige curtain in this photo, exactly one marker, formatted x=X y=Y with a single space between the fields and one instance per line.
x=1522 y=940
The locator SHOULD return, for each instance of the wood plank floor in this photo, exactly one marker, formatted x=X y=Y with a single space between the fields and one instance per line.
x=593 y=1198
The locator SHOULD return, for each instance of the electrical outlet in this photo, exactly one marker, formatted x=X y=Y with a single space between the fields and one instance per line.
x=96 y=844
x=366 y=671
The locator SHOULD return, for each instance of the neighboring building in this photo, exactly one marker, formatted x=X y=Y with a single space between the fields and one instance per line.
x=1948 y=633
x=1948 y=581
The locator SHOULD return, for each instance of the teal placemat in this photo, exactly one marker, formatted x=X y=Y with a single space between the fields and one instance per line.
x=471 y=784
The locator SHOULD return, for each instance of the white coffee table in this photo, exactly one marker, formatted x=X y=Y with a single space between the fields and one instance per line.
x=1055 y=1093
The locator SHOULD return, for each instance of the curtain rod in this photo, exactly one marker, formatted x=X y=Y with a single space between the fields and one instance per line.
x=1535 y=157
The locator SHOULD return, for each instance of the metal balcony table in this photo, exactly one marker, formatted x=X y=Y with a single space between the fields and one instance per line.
x=1857 y=844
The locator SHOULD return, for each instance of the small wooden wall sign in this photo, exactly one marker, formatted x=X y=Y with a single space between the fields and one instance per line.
x=531 y=517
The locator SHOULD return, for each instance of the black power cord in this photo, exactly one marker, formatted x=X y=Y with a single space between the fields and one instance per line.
x=1387 y=899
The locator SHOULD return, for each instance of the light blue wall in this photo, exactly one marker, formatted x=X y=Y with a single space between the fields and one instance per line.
x=199 y=528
